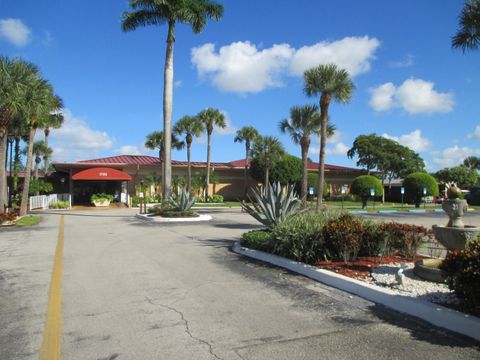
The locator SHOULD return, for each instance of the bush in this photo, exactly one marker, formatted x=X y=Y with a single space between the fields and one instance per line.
x=300 y=237
x=404 y=239
x=8 y=216
x=362 y=185
x=287 y=170
x=39 y=186
x=312 y=181
x=461 y=269
x=215 y=198
x=100 y=197
x=258 y=239
x=59 y=205
x=373 y=237
x=414 y=185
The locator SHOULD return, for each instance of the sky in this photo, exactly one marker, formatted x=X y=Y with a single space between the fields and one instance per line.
x=411 y=86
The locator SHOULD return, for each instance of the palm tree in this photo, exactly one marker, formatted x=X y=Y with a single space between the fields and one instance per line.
x=158 y=12
x=331 y=83
x=153 y=179
x=40 y=149
x=190 y=126
x=54 y=121
x=267 y=149
x=154 y=141
x=468 y=36
x=15 y=76
x=247 y=134
x=210 y=118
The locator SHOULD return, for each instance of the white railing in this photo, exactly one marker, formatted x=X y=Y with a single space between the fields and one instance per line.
x=43 y=201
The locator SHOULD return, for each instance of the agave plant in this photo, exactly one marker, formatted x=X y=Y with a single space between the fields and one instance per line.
x=181 y=202
x=274 y=205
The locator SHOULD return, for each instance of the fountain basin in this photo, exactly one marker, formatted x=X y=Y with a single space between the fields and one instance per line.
x=427 y=269
x=454 y=237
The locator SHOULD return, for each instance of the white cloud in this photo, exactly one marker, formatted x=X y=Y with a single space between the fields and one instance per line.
x=76 y=140
x=15 y=32
x=413 y=140
x=129 y=150
x=409 y=60
x=229 y=129
x=454 y=155
x=177 y=83
x=415 y=96
x=241 y=67
x=476 y=133
x=338 y=149
x=351 y=53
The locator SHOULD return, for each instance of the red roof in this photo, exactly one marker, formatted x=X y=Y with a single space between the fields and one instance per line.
x=101 y=173
x=311 y=165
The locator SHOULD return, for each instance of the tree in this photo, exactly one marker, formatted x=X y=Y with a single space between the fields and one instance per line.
x=170 y=12
x=54 y=121
x=416 y=183
x=332 y=84
x=210 y=118
x=153 y=179
x=362 y=186
x=286 y=169
x=247 y=134
x=312 y=181
x=40 y=150
x=267 y=150
x=15 y=78
x=464 y=177
x=472 y=162
x=190 y=126
x=156 y=141
x=468 y=35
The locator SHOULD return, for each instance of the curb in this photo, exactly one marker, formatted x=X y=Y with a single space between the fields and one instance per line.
x=434 y=314
x=159 y=219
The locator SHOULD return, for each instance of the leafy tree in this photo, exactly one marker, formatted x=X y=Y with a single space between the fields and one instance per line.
x=312 y=181
x=153 y=179
x=468 y=35
x=247 y=134
x=362 y=186
x=464 y=177
x=414 y=185
x=39 y=186
x=210 y=118
x=266 y=151
x=332 y=84
x=199 y=181
x=191 y=127
x=170 y=12
x=472 y=162
x=287 y=169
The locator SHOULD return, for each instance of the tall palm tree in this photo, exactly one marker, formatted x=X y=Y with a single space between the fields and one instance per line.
x=40 y=150
x=332 y=84
x=247 y=134
x=15 y=77
x=468 y=36
x=54 y=121
x=267 y=149
x=190 y=126
x=158 y=12
x=156 y=141
x=210 y=118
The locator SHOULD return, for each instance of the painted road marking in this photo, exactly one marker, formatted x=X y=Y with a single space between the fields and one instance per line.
x=52 y=335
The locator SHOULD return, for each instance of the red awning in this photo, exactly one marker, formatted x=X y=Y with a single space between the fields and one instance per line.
x=101 y=174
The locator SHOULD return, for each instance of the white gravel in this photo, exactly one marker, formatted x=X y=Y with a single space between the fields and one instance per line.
x=384 y=276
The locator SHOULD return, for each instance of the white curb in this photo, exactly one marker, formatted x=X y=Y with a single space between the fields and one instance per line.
x=435 y=314
x=164 y=219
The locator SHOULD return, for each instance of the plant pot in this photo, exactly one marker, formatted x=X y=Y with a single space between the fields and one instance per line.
x=103 y=203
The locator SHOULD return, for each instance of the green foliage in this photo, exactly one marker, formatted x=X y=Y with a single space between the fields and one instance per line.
x=362 y=185
x=272 y=206
x=468 y=35
x=28 y=220
x=39 y=186
x=286 y=169
x=101 y=197
x=181 y=202
x=464 y=177
x=461 y=269
x=59 y=205
x=215 y=198
x=300 y=236
x=258 y=239
x=414 y=185
x=404 y=239
x=176 y=213
x=312 y=181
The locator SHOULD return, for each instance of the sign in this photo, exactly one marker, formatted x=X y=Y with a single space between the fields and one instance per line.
x=344 y=189
x=402 y=190
x=102 y=174
x=372 y=192
x=141 y=195
x=424 y=191
x=311 y=190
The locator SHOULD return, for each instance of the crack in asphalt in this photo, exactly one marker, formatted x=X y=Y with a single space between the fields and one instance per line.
x=187 y=326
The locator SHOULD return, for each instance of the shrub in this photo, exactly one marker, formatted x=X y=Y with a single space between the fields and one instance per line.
x=215 y=198
x=287 y=170
x=59 y=205
x=181 y=202
x=300 y=236
x=312 y=181
x=8 y=216
x=258 y=239
x=373 y=237
x=362 y=185
x=39 y=186
x=461 y=269
x=176 y=213
x=414 y=185
x=272 y=206
x=404 y=239
x=100 y=197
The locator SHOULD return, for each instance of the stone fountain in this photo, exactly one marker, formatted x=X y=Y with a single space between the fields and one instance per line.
x=454 y=236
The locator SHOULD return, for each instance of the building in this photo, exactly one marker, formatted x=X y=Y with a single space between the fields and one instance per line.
x=119 y=176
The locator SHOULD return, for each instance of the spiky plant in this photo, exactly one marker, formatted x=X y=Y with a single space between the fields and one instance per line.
x=181 y=202
x=272 y=206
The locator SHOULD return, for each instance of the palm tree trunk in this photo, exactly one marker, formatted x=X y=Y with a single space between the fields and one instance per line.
x=207 y=183
x=46 y=159
x=162 y=172
x=189 y=168
x=245 y=174
x=167 y=110
x=28 y=169
x=35 y=170
x=324 y=103
x=304 y=172
x=267 y=165
x=3 y=173
x=16 y=164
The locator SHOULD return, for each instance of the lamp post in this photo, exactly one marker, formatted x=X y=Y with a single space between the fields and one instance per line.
x=372 y=194
x=344 y=190
x=424 y=198
x=402 y=192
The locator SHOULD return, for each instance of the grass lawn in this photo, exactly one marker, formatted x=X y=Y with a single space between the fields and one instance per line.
x=28 y=220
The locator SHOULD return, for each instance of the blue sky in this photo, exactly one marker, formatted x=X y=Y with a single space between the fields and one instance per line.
x=410 y=84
